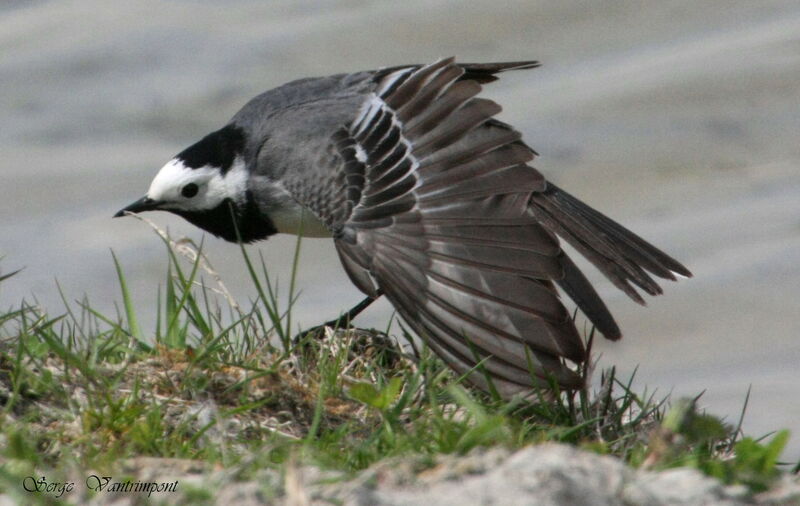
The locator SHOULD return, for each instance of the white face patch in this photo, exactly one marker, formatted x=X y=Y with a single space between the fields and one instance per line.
x=212 y=186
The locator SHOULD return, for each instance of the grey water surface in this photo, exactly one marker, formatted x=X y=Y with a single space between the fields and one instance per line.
x=681 y=119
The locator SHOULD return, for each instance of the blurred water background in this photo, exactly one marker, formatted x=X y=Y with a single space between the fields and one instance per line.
x=679 y=118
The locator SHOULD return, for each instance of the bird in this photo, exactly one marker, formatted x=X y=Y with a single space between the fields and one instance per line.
x=431 y=202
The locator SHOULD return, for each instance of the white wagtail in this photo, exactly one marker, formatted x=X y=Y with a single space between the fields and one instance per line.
x=430 y=201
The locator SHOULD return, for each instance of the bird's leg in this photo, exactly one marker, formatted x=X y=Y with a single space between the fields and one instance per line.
x=344 y=320
x=341 y=322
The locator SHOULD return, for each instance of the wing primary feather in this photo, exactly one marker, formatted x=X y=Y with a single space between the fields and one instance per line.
x=578 y=288
x=435 y=85
x=412 y=85
x=452 y=98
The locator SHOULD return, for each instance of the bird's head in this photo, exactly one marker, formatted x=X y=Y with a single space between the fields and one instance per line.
x=207 y=185
x=199 y=178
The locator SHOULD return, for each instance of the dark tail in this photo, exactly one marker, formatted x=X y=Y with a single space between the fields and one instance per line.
x=622 y=256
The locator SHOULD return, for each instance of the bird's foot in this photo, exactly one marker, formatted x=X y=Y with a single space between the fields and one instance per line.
x=343 y=322
x=319 y=332
x=349 y=343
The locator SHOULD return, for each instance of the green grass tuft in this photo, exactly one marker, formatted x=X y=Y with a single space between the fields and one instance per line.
x=226 y=386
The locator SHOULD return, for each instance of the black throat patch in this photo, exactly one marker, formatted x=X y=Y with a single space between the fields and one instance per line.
x=227 y=218
x=217 y=149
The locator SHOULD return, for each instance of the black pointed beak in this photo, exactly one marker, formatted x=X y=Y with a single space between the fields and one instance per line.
x=143 y=204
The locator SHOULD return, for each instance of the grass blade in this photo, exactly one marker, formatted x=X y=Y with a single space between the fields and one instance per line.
x=127 y=302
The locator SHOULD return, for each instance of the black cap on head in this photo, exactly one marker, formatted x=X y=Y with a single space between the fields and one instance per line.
x=217 y=149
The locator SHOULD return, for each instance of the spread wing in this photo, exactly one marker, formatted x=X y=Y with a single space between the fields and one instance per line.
x=437 y=206
x=437 y=216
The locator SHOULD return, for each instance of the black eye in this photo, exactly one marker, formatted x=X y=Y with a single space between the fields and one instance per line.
x=190 y=190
